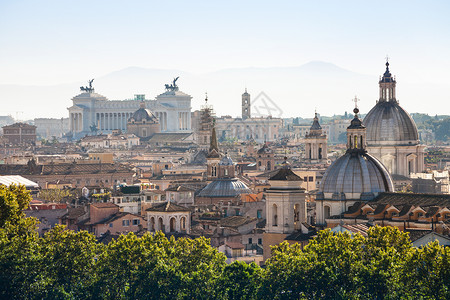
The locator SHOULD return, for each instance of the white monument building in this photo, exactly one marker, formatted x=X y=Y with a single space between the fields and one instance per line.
x=92 y=112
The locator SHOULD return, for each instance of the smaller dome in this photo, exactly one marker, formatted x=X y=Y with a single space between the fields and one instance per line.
x=357 y=176
x=144 y=114
x=265 y=149
x=225 y=188
x=226 y=161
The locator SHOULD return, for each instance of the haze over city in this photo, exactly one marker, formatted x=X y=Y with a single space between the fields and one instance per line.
x=302 y=55
x=224 y=149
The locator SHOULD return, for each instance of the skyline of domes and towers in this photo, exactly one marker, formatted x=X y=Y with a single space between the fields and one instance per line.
x=255 y=177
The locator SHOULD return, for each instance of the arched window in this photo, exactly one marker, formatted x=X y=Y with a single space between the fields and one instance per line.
x=152 y=224
x=320 y=152
x=183 y=223
x=161 y=225
x=268 y=166
x=356 y=142
x=326 y=212
x=275 y=215
x=361 y=142
x=296 y=213
x=172 y=224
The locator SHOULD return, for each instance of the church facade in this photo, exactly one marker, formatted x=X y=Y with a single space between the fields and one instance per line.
x=92 y=112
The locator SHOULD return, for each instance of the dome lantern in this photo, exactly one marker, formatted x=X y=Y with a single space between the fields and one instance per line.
x=387 y=86
x=356 y=132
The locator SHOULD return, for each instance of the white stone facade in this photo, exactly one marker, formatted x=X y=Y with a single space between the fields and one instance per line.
x=285 y=206
x=260 y=129
x=169 y=222
x=173 y=109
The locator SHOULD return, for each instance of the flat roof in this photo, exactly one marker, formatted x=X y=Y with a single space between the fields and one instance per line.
x=17 y=179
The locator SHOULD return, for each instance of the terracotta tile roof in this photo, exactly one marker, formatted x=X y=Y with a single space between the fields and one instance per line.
x=64 y=169
x=236 y=221
x=117 y=216
x=73 y=213
x=104 y=205
x=379 y=209
x=299 y=236
x=432 y=211
x=423 y=200
x=415 y=234
x=167 y=207
x=235 y=245
x=286 y=175
x=180 y=188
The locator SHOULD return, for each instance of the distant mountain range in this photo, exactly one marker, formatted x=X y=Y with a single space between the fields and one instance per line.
x=297 y=91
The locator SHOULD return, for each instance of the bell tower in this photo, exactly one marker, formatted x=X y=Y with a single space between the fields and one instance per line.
x=205 y=126
x=246 y=111
x=316 y=143
x=213 y=158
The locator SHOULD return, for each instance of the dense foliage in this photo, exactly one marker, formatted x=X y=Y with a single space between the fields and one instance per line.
x=72 y=265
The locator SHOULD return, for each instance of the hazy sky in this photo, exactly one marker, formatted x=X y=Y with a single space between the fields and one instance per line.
x=52 y=42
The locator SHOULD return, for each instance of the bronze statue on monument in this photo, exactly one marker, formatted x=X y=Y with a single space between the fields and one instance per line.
x=86 y=89
x=172 y=87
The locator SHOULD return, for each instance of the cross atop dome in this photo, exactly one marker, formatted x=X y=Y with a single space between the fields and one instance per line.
x=356 y=100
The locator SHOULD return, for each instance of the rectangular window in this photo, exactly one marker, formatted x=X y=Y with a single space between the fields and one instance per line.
x=110 y=224
x=260 y=241
x=136 y=222
x=250 y=240
x=311 y=178
x=125 y=222
x=259 y=213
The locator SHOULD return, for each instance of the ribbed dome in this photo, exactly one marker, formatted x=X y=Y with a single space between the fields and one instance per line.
x=356 y=173
x=225 y=188
x=144 y=114
x=389 y=122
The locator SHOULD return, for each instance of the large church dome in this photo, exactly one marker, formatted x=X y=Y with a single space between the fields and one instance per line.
x=388 y=123
x=356 y=174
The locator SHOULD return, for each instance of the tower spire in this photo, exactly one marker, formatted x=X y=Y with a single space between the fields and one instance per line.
x=213 y=144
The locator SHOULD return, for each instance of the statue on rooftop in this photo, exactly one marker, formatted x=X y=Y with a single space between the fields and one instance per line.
x=172 y=87
x=86 y=89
